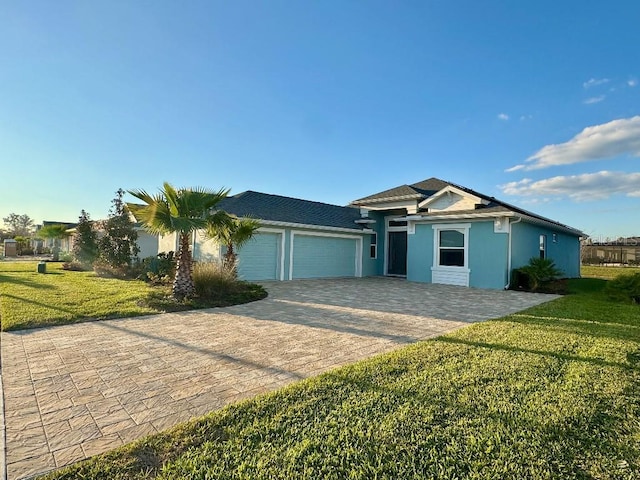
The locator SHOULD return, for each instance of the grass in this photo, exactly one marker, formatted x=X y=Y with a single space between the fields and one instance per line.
x=29 y=299
x=608 y=273
x=551 y=392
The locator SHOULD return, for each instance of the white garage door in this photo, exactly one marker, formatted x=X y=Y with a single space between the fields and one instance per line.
x=317 y=256
x=259 y=259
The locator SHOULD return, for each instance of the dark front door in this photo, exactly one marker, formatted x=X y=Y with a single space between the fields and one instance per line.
x=397 y=253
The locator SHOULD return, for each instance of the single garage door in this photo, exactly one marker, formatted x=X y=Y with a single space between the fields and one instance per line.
x=259 y=258
x=318 y=256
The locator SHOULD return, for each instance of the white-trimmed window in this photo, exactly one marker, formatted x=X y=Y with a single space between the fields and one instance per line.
x=451 y=246
x=543 y=246
x=373 y=249
x=451 y=251
x=451 y=254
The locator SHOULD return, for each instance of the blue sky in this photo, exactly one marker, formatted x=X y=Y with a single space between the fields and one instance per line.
x=536 y=103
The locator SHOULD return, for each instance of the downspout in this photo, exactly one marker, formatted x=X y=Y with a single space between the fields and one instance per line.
x=506 y=287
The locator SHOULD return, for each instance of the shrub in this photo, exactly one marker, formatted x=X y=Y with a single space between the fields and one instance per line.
x=540 y=271
x=104 y=269
x=212 y=278
x=74 y=266
x=85 y=247
x=118 y=246
x=159 y=270
x=65 y=257
x=624 y=288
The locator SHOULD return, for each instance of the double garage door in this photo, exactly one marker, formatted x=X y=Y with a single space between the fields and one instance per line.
x=307 y=256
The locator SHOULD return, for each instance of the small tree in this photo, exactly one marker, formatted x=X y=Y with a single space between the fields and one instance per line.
x=119 y=245
x=85 y=247
x=23 y=246
x=55 y=232
x=183 y=211
x=233 y=234
x=19 y=225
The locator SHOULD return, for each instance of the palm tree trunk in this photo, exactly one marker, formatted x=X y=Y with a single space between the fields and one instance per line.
x=183 y=283
x=230 y=260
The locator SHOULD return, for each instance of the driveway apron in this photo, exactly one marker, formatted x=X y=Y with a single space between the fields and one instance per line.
x=74 y=391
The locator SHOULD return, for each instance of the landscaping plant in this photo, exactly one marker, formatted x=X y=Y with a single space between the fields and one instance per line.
x=117 y=247
x=85 y=243
x=624 y=288
x=55 y=232
x=540 y=271
x=181 y=211
x=212 y=278
x=232 y=233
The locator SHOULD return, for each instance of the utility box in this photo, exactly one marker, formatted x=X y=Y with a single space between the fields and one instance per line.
x=10 y=247
x=42 y=267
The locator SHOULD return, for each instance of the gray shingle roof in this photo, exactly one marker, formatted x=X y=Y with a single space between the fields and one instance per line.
x=420 y=190
x=426 y=188
x=276 y=208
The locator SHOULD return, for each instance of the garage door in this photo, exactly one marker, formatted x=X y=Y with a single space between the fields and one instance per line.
x=259 y=259
x=318 y=256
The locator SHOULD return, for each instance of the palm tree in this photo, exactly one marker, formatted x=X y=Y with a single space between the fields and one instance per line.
x=182 y=211
x=55 y=232
x=233 y=234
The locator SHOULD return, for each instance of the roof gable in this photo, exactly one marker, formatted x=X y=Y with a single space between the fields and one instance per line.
x=429 y=191
x=451 y=198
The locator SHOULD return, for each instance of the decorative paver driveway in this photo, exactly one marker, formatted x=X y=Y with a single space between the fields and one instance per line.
x=79 y=390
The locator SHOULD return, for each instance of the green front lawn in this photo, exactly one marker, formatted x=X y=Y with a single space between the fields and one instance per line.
x=29 y=299
x=551 y=392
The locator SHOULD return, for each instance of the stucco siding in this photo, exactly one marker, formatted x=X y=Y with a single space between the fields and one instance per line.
x=205 y=250
x=375 y=266
x=487 y=256
x=148 y=244
x=420 y=254
x=565 y=251
x=167 y=243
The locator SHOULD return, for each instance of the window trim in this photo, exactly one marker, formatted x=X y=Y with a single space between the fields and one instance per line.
x=463 y=228
x=543 y=246
x=373 y=247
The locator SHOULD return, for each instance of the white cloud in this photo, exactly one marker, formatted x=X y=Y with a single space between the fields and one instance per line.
x=503 y=116
x=632 y=82
x=592 y=100
x=525 y=117
x=587 y=186
x=599 y=142
x=594 y=82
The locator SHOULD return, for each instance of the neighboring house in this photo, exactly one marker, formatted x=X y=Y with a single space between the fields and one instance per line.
x=432 y=231
x=622 y=251
x=41 y=243
x=147 y=242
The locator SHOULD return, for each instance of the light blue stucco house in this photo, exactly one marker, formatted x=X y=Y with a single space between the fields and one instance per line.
x=431 y=231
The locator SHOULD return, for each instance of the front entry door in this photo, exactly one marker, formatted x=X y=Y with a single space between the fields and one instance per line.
x=397 y=253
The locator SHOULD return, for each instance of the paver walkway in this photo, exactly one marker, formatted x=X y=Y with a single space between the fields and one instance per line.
x=75 y=391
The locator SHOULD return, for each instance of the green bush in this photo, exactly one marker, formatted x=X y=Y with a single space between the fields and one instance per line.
x=540 y=271
x=74 y=266
x=159 y=270
x=624 y=288
x=212 y=278
x=117 y=247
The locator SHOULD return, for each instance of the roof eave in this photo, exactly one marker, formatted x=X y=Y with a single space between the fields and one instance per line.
x=365 y=201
